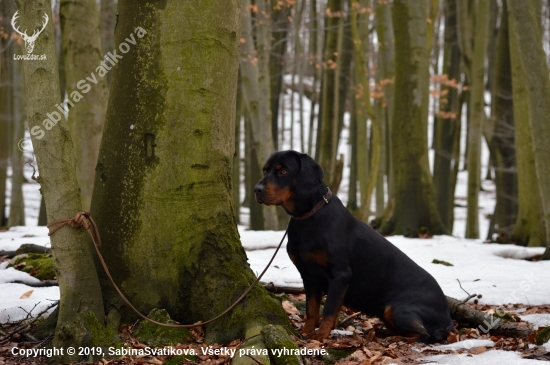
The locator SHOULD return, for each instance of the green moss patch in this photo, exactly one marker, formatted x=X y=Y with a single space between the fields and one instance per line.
x=101 y=335
x=38 y=265
x=543 y=335
x=155 y=335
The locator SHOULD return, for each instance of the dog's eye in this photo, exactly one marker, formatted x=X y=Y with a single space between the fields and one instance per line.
x=284 y=172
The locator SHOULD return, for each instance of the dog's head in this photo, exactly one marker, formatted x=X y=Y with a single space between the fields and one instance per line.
x=288 y=174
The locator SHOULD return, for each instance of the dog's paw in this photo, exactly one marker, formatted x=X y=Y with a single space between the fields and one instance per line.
x=308 y=327
x=319 y=335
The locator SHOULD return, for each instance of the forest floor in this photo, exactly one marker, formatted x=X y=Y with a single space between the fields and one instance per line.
x=359 y=340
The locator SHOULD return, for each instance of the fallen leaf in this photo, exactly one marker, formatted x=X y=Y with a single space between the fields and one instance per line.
x=26 y=294
x=477 y=350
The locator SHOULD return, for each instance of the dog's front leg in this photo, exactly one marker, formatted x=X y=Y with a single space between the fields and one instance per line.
x=313 y=303
x=335 y=297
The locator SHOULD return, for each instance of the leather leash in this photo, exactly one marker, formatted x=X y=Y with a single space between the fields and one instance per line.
x=84 y=219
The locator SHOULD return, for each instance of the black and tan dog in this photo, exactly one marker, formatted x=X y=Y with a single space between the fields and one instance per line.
x=346 y=259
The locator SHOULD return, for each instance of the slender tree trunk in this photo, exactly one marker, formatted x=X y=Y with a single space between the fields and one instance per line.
x=529 y=229
x=503 y=149
x=17 y=101
x=445 y=123
x=385 y=79
x=80 y=294
x=327 y=130
x=528 y=40
x=365 y=110
x=280 y=24
x=314 y=62
x=162 y=196
x=477 y=117
x=5 y=114
x=82 y=54
x=414 y=210
x=257 y=99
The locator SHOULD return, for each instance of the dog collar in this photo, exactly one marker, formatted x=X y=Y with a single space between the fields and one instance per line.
x=322 y=203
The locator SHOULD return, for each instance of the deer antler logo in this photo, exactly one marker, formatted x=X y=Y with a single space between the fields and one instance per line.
x=29 y=41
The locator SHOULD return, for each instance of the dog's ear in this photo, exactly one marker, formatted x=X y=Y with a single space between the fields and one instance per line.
x=310 y=177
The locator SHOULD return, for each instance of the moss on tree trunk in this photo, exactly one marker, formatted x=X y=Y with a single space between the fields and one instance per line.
x=162 y=195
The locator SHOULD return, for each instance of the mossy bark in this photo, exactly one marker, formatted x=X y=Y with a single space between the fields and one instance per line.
x=162 y=195
x=414 y=210
x=78 y=283
x=528 y=40
x=529 y=229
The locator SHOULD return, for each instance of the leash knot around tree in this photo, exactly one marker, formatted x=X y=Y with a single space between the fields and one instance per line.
x=81 y=219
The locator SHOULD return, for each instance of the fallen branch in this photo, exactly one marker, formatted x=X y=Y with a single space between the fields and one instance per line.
x=485 y=322
x=23 y=326
x=270 y=287
x=41 y=284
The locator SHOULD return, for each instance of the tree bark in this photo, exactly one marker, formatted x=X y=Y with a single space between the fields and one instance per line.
x=17 y=101
x=528 y=40
x=529 y=229
x=280 y=23
x=80 y=294
x=162 y=196
x=365 y=111
x=385 y=77
x=445 y=125
x=503 y=148
x=254 y=82
x=107 y=23
x=414 y=209
x=477 y=117
x=327 y=130
x=82 y=54
x=5 y=115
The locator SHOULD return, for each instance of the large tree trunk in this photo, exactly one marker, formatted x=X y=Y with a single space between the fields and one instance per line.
x=414 y=210
x=80 y=294
x=82 y=53
x=528 y=40
x=162 y=195
x=477 y=117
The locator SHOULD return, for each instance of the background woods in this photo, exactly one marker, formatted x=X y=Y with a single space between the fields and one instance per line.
x=397 y=101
